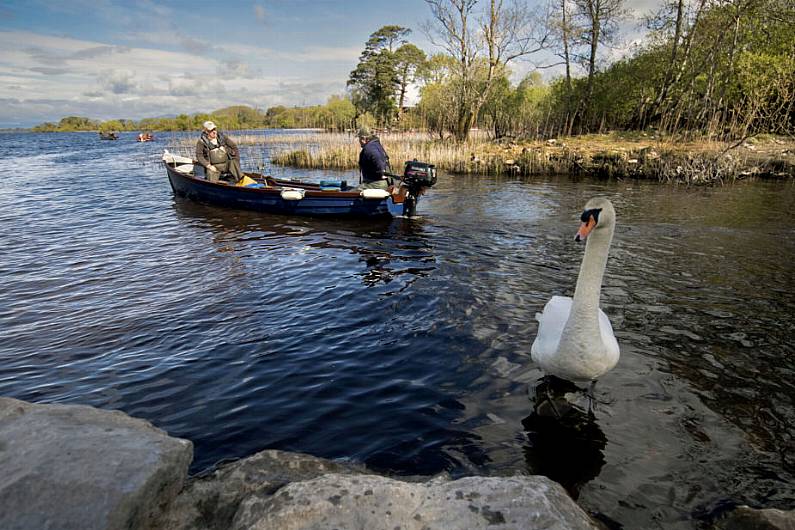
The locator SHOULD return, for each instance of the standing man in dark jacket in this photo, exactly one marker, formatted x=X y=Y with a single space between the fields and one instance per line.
x=373 y=161
x=218 y=154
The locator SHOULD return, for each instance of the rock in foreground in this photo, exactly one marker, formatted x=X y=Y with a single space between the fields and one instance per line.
x=77 y=467
x=374 y=502
x=746 y=518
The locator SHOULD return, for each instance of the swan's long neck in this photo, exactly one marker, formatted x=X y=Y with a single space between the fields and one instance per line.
x=589 y=282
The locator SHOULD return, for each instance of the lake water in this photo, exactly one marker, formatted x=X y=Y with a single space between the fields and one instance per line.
x=404 y=344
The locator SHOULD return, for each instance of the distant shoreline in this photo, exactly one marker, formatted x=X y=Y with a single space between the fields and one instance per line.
x=617 y=155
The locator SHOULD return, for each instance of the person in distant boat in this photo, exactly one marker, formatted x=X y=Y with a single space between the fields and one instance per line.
x=373 y=161
x=218 y=154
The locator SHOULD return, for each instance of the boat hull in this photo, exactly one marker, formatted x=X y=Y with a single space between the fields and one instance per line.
x=269 y=200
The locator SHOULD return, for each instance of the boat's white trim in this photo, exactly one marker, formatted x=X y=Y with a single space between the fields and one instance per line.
x=171 y=158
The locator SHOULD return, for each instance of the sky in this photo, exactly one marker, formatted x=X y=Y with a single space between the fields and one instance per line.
x=134 y=59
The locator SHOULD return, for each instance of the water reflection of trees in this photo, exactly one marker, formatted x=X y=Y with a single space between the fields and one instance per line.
x=716 y=306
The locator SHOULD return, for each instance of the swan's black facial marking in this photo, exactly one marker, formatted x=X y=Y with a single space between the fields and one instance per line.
x=593 y=212
x=590 y=219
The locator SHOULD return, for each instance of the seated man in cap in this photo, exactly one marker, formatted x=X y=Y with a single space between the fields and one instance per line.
x=373 y=161
x=218 y=154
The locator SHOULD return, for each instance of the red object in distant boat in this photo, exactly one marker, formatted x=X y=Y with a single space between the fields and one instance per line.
x=145 y=137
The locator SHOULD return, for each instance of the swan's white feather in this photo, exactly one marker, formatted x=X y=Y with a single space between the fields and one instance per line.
x=608 y=337
x=550 y=326
x=580 y=364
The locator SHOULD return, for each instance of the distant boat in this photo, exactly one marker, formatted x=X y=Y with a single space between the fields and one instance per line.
x=108 y=136
x=293 y=197
x=145 y=137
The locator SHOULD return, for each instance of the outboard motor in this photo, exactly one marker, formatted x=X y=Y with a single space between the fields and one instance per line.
x=416 y=176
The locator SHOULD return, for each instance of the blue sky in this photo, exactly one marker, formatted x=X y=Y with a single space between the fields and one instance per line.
x=133 y=59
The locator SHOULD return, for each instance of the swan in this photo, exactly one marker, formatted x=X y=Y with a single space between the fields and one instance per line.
x=575 y=340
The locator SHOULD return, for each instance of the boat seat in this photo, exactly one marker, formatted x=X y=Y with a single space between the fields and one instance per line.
x=333 y=185
x=185 y=168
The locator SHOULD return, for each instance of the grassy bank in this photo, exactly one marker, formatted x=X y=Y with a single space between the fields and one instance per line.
x=615 y=155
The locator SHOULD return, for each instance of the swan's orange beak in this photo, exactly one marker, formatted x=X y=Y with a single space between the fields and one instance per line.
x=585 y=229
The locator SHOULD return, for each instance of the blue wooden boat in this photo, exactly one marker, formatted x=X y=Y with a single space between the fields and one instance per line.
x=292 y=197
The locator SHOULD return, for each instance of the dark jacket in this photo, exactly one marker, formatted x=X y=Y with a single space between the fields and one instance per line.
x=203 y=147
x=373 y=161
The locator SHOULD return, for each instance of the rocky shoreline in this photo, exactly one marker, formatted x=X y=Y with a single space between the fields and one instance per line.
x=78 y=467
x=663 y=164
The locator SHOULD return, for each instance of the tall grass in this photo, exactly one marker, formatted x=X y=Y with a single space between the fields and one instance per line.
x=605 y=156
x=341 y=151
x=615 y=155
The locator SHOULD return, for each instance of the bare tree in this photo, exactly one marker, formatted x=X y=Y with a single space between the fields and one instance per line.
x=600 y=18
x=482 y=43
x=563 y=30
x=675 y=25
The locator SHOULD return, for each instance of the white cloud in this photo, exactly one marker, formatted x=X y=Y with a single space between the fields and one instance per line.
x=44 y=78
x=98 y=51
x=118 y=81
x=47 y=70
x=234 y=68
x=641 y=8
x=305 y=55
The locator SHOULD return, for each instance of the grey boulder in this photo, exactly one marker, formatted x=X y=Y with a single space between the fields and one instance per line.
x=747 y=518
x=369 y=502
x=77 y=467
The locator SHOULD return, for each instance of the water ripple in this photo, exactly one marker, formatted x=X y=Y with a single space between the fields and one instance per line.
x=402 y=344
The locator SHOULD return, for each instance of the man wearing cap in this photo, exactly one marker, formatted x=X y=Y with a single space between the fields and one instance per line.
x=218 y=154
x=373 y=161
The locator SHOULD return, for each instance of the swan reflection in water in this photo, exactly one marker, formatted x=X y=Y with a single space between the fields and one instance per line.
x=564 y=442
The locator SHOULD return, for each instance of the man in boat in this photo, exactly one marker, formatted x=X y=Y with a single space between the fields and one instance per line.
x=373 y=161
x=218 y=154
